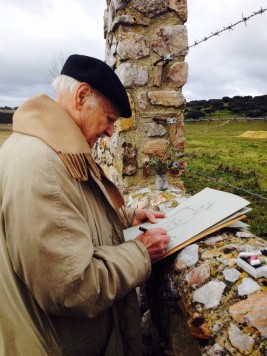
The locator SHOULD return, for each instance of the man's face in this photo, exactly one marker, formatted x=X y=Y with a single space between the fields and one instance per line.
x=97 y=117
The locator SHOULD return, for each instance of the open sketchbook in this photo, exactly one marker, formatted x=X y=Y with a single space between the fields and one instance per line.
x=200 y=215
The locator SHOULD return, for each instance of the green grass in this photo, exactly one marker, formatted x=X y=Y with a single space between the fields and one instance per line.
x=216 y=150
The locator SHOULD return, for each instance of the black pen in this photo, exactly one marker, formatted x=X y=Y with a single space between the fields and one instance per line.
x=142 y=229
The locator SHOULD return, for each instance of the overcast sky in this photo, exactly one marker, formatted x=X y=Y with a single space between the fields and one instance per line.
x=33 y=34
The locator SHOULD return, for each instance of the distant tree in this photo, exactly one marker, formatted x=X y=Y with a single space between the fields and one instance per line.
x=226 y=99
x=236 y=110
x=217 y=104
x=194 y=115
x=254 y=113
x=209 y=111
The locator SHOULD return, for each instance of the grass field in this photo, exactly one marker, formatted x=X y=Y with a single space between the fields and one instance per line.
x=5 y=131
x=216 y=150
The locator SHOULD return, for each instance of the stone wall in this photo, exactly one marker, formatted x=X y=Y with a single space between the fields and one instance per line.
x=138 y=34
x=199 y=301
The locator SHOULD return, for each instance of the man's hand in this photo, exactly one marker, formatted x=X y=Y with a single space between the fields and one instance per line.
x=155 y=240
x=149 y=215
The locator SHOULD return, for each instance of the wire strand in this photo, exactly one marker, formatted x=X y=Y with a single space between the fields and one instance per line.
x=170 y=57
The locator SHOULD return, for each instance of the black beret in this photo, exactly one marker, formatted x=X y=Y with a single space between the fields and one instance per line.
x=101 y=77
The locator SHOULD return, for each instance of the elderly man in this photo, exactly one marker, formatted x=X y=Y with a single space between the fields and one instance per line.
x=67 y=276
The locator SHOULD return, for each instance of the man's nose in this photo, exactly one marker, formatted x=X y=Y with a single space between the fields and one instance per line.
x=109 y=130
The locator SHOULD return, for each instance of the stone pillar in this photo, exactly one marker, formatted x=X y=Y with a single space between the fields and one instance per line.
x=138 y=35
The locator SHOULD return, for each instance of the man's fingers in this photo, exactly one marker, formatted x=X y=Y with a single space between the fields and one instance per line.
x=159 y=214
x=151 y=218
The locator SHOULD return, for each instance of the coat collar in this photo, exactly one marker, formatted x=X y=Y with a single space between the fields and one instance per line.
x=43 y=118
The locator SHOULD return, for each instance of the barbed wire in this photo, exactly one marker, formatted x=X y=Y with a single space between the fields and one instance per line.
x=247 y=119
x=218 y=180
x=170 y=57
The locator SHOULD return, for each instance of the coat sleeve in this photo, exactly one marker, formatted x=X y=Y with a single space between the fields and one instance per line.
x=50 y=242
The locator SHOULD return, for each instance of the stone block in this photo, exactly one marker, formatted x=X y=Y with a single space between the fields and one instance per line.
x=242 y=342
x=170 y=40
x=122 y=124
x=176 y=132
x=120 y=4
x=198 y=275
x=132 y=75
x=180 y=7
x=110 y=53
x=110 y=17
x=132 y=46
x=210 y=294
x=156 y=148
x=129 y=21
x=158 y=74
x=187 y=257
x=150 y=8
x=177 y=75
x=129 y=158
x=253 y=310
x=167 y=98
x=105 y=18
x=152 y=129
x=142 y=100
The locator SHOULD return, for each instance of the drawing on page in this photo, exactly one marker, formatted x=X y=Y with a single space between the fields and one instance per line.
x=184 y=216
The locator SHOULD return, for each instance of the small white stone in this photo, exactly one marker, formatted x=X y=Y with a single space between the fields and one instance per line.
x=244 y=234
x=244 y=343
x=248 y=286
x=231 y=274
x=212 y=240
x=187 y=257
x=144 y=191
x=210 y=294
x=132 y=75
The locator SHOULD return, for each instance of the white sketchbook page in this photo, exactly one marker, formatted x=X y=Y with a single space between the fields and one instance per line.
x=194 y=215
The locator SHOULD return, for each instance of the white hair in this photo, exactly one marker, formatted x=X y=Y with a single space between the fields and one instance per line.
x=63 y=83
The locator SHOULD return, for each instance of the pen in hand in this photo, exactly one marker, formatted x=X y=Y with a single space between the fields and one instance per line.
x=142 y=229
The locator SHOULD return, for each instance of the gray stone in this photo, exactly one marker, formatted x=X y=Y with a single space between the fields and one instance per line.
x=132 y=46
x=150 y=8
x=152 y=129
x=120 y=4
x=244 y=234
x=105 y=22
x=180 y=7
x=170 y=40
x=108 y=158
x=128 y=20
x=212 y=240
x=161 y=182
x=110 y=53
x=129 y=159
x=132 y=75
x=210 y=294
x=167 y=98
x=231 y=274
x=248 y=286
x=187 y=257
x=110 y=17
x=142 y=100
x=242 y=342
x=214 y=350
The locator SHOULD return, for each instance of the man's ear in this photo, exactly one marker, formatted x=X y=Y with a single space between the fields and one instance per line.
x=82 y=92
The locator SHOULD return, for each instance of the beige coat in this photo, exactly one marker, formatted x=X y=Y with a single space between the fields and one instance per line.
x=67 y=278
